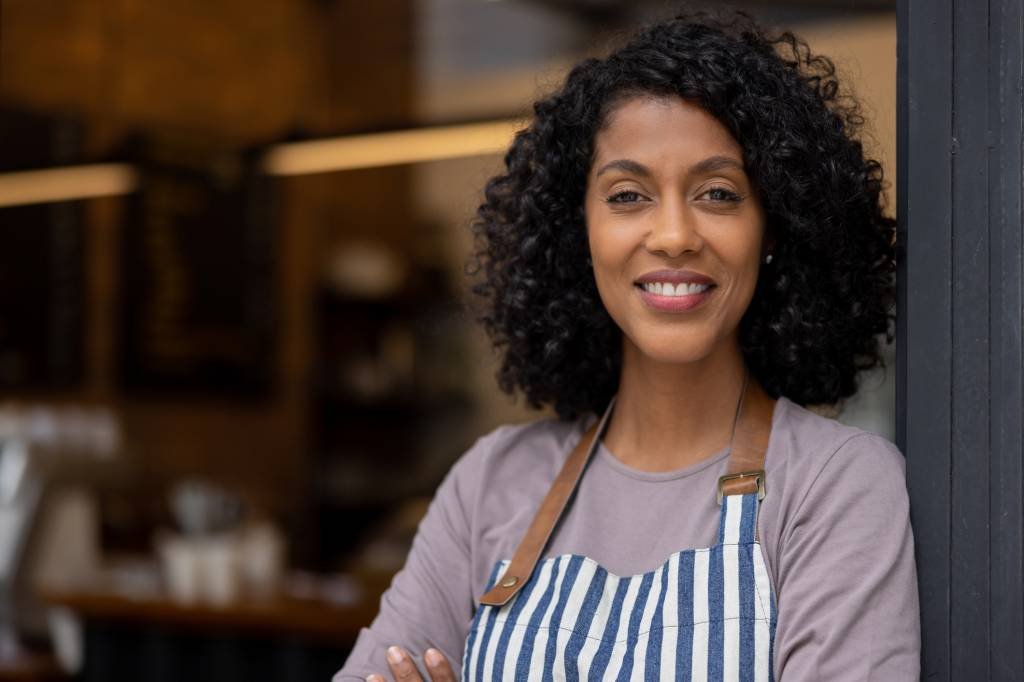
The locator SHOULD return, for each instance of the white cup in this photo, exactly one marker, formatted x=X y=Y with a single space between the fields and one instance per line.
x=180 y=559
x=219 y=569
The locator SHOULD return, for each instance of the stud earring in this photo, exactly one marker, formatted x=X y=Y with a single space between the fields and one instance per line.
x=768 y=258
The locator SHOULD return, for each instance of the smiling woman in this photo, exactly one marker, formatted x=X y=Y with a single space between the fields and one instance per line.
x=670 y=188
x=687 y=250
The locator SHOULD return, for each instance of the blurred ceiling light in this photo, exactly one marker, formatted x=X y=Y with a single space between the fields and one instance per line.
x=293 y=158
x=66 y=184
x=386 y=149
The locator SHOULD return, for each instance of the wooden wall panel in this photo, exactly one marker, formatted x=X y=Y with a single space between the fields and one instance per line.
x=959 y=322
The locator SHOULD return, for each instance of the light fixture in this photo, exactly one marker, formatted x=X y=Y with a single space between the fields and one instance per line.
x=292 y=158
x=65 y=184
x=387 y=149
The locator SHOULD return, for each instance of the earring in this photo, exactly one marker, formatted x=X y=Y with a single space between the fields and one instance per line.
x=768 y=258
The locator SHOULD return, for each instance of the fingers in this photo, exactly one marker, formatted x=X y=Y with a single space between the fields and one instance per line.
x=437 y=666
x=404 y=670
x=402 y=666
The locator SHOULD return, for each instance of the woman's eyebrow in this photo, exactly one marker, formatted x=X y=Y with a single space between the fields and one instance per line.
x=708 y=165
x=626 y=165
x=714 y=163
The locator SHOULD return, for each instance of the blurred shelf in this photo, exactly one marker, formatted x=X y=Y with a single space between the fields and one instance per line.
x=314 y=619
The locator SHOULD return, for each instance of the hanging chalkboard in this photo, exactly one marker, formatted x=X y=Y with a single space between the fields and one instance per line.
x=198 y=273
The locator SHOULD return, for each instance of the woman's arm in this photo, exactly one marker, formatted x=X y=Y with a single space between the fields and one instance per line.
x=430 y=601
x=846 y=578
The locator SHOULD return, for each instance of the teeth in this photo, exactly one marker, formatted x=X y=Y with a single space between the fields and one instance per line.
x=680 y=289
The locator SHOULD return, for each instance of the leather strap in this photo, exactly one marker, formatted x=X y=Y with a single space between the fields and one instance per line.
x=530 y=547
x=750 y=440
x=747 y=452
x=745 y=474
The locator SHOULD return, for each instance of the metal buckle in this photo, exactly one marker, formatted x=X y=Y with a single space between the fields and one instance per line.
x=759 y=474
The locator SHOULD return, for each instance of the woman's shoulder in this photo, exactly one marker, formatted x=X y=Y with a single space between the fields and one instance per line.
x=513 y=449
x=814 y=446
x=514 y=462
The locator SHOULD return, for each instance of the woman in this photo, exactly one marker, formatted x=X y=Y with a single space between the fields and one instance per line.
x=688 y=247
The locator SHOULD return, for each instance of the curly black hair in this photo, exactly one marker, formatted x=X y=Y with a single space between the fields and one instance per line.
x=818 y=309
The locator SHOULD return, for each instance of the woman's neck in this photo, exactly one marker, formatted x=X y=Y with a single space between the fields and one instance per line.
x=669 y=416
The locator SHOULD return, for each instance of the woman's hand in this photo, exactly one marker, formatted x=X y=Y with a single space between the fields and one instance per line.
x=405 y=670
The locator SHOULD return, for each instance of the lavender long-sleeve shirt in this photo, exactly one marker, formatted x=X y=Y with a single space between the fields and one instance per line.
x=834 y=528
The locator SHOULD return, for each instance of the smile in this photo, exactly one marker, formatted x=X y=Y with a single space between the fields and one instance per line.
x=674 y=298
x=668 y=289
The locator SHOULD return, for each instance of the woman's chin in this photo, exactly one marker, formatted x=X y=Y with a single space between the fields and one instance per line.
x=668 y=353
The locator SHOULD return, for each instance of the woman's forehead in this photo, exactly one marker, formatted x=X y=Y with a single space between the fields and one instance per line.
x=662 y=130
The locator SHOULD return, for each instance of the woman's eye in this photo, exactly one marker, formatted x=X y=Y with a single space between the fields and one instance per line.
x=722 y=194
x=624 y=197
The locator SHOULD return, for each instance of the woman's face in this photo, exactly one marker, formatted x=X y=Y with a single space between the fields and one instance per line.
x=675 y=228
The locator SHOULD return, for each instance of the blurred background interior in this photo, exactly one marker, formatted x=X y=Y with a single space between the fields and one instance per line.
x=235 y=351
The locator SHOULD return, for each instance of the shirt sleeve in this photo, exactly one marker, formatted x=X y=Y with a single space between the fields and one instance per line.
x=429 y=603
x=846 y=579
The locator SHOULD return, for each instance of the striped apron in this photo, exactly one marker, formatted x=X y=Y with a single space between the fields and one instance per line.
x=705 y=614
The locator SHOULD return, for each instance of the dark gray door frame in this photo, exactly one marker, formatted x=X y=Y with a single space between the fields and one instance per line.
x=959 y=356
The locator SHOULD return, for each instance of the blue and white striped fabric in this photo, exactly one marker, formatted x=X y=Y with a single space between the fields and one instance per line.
x=705 y=614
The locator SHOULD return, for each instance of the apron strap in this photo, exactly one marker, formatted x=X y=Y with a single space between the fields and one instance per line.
x=746 y=458
x=532 y=545
x=745 y=474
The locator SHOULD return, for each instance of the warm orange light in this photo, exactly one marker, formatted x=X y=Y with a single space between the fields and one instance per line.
x=293 y=158
x=386 y=149
x=66 y=184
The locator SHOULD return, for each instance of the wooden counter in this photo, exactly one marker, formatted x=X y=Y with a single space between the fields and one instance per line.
x=301 y=635
x=317 y=619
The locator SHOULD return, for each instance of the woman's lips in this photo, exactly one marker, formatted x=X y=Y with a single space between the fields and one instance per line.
x=674 y=304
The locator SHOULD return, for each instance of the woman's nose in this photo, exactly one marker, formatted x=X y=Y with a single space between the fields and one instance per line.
x=674 y=231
